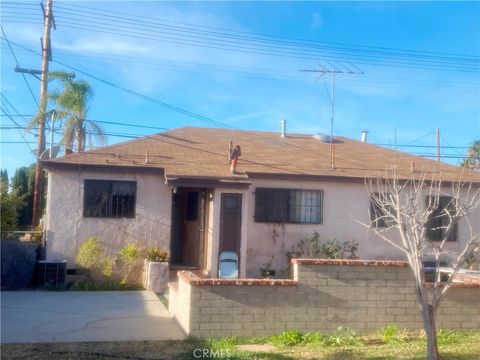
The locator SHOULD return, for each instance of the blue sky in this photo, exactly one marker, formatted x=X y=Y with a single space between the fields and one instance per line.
x=420 y=62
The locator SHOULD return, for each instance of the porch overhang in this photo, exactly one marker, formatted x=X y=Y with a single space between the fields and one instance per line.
x=209 y=183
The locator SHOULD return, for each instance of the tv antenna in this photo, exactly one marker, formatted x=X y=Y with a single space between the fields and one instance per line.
x=334 y=70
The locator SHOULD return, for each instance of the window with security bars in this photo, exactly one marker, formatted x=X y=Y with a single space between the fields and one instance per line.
x=109 y=199
x=382 y=211
x=439 y=219
x=288 y=206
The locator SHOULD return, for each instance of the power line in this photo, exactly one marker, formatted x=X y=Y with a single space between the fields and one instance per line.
x=18 y=65
x=229 y=32
x=210 y=38
x=141 y=23
x=264 y=74
x=248 y=47
x=21 y=133
x=180 y=110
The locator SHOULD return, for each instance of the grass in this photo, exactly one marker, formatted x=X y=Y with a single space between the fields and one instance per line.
x=387 y=343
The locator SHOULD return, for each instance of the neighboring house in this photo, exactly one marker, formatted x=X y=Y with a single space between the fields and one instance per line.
x=175 y=190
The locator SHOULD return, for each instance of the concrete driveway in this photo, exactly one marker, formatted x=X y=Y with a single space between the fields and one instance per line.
x=49 y=316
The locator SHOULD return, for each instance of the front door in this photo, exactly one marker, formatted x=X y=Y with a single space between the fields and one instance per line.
x=187 y=227
x=230 y=222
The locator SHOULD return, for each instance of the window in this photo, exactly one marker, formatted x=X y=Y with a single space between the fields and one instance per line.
x=109 y=199
x=439 y=219
x=192 y=206
x=382 y=212
x=288 y=206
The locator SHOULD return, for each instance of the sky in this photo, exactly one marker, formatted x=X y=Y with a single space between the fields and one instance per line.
x=407 y=68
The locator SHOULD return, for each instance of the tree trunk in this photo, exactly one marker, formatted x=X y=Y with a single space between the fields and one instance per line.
x=429 y=323
x=78 y=136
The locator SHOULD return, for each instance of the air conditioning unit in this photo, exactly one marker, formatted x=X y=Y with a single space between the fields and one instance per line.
x=51 y=273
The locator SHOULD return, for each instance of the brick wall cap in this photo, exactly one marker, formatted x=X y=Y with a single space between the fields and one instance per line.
x=456 y=285
x=194 y=280
x=350 y=262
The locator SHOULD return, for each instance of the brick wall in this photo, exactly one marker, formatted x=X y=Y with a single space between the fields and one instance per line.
x=363 y=295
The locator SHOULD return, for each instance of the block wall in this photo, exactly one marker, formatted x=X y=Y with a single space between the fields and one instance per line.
x=321 y=298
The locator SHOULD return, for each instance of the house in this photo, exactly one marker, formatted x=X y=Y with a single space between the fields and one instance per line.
x=175 y=190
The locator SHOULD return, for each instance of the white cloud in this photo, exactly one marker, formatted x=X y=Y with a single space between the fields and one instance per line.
x=317 y=21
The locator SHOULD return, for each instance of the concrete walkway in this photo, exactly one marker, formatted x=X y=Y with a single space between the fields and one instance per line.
x=49 y=316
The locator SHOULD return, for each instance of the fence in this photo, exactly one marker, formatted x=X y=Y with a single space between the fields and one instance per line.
x=325 y=294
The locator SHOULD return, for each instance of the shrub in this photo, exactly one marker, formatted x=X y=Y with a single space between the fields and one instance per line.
x=313 y=338
x=332 y=249
x=342 y=337
x=288 y=338
x=129 y=255
x=309 y=247
x=92 y=256
x=335 y=249
x=349 y=249
x=389 y=334
x=156 y=254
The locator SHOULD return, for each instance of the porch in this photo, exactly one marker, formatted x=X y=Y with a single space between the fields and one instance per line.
x=206 y=220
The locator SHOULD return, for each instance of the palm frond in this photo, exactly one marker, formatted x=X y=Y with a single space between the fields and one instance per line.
x=97 y=131
x=35 y=120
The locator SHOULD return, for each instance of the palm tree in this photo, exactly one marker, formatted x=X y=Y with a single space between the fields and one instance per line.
x=73 y=103
x=473 y=156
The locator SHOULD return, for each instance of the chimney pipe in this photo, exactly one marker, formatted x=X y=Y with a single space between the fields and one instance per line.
x=283 y=124
x=364 y=136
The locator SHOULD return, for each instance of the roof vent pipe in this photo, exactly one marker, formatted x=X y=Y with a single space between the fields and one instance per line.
x=364 y=136
x=283 y=124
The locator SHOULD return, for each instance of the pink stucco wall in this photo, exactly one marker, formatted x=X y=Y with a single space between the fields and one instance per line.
x=344 y=204
x=67 y=228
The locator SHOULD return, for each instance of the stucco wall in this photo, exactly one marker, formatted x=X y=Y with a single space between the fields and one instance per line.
x=322 y=297
x=67 y=228
x=344 y=204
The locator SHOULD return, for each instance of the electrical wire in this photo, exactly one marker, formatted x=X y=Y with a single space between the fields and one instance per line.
x=75 y=9
x=18 y=65
x=220 y=39
x=174 y=108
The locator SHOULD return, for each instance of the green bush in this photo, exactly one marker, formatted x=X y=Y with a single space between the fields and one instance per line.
x=288 y=338
x=332 y=249
x=92 y=256
x=342 y=337
x=313 y=338
x=309 y=247
x=156 y=254
x=389 y=334
x=129 y=256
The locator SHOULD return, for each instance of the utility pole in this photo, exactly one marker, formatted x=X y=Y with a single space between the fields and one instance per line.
x=437 y=136
x=46 y=57
x=49 y=22
x=333 y=72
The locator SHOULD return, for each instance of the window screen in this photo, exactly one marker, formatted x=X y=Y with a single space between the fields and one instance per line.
x=288 y=206
x=109 y=199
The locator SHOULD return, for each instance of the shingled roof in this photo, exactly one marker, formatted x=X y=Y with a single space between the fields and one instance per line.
x=191 y=152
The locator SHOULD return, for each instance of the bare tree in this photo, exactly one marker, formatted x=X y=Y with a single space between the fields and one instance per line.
x=419 y=216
